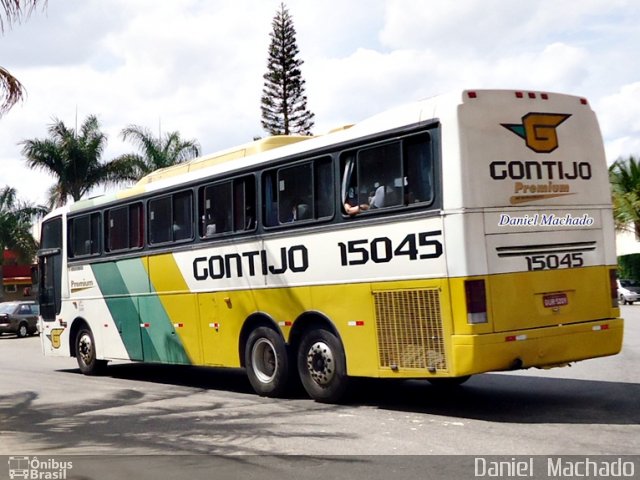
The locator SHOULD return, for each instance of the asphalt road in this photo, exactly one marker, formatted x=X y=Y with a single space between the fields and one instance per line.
x=48 y=408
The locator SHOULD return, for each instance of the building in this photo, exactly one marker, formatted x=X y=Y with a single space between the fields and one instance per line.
x=16 y=279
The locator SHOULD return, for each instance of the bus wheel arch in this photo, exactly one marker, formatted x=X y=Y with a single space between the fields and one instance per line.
x=83 y=347
x=321 y=359
x=265 y=356
x=253 y=321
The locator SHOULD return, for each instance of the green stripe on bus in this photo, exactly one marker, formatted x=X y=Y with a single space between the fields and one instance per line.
x=145 y=328
x=122 y=306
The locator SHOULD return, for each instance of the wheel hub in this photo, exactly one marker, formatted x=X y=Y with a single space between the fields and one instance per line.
x=85 y=348
x=320 y=363
x=264 y=360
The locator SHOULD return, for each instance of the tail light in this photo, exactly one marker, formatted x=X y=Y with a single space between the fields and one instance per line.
x=476 y=296
x=613 y=287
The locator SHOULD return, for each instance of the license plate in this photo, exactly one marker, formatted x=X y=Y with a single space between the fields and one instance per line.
x=555 y=300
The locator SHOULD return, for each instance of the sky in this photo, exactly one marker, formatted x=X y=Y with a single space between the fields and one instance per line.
x=196 y=66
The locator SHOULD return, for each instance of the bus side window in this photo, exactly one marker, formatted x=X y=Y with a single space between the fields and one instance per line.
x=136 y=226
x=171 y=218
x=123 y=228
x=418 y=169
x=298 y=193
x=269 y=199
x=216 y=216
x=160 y=220
x=117 y=229
x=244 y=204
x=85 y=235
x=349 y=186
x=380 y=174
x=182 y=216
x=372 y=178
x=295 y=193
x=323 y=188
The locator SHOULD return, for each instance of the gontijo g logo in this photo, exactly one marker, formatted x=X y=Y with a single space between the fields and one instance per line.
x=539 y=130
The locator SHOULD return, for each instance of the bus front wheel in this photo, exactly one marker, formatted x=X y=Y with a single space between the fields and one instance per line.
x=267 y=362
x=322 y=366
x=86 y=353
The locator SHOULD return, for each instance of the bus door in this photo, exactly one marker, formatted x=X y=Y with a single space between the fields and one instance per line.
x=50 y=269
x=50 y=282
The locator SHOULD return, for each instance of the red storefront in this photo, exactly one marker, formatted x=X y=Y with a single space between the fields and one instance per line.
x=16 y=279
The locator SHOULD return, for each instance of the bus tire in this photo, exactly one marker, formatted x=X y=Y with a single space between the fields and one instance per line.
x=322 y=366
x=267 y=362
x=86 y=353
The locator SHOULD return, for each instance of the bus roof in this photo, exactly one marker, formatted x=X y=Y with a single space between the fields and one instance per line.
x=271 y=148
x=251 y=148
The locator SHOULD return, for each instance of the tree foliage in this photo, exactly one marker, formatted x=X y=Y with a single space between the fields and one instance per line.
x=624 y=175
x=13 y=11
x=16 y=222
x=629 y=266
x=74 y=159
x=284 y=103
x=157 y=152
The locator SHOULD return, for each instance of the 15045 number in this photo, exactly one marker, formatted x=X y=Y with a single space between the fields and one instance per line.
x=419 y=246
x=553 y=262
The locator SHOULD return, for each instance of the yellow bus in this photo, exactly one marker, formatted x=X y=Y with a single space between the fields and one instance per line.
x=467 y=233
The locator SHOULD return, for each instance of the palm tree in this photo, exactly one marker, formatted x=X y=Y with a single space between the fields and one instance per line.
x=624 y=175
x=157 y=152
x=15 y=227
x=11 y=90
x=74 y=158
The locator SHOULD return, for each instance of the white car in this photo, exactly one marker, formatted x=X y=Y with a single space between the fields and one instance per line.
x=628 y=291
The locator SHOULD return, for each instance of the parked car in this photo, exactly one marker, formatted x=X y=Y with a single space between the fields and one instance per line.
x=20 y=318
x=628 y=291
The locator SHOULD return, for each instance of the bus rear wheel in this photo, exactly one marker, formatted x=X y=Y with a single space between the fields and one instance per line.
x=322 y=366
x=267 y=362
x=86 y=353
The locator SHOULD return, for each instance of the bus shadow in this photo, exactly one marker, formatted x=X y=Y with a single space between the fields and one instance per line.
x=223 y=379
x=505 y=398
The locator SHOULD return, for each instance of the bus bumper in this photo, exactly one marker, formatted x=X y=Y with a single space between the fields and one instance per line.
x=540 y=347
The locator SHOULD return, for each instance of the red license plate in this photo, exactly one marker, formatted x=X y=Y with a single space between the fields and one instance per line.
x=555 y=300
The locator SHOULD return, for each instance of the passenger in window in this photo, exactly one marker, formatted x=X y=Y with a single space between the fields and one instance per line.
x=351 y=205
x=301 y=210
x=211 y=230
x=181 y=231
x=377 y=199
x=385 y=195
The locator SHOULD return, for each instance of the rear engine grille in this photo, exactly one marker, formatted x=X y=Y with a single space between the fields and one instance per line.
x=409 y=327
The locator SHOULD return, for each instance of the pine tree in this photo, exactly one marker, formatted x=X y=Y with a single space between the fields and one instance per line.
x=284 y=104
